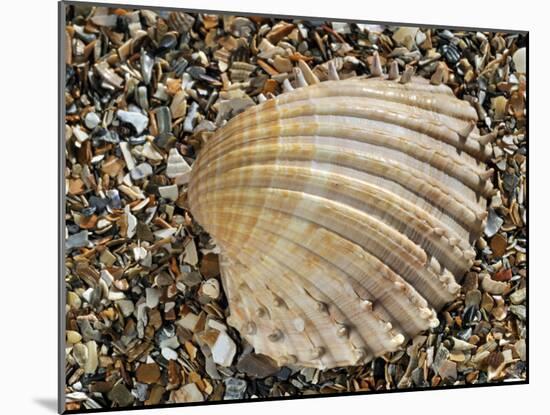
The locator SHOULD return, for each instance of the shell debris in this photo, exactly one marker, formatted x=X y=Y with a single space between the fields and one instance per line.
x=261 y=207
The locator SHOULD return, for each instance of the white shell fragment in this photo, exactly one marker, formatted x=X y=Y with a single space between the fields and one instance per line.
x=92 y=120
x=126 y=307
x=131 y=222
x=92 y=361
x=224 y=349
x=141 y=171
x=210 y=288
x=80 y=134
x=187 y=393
x=169 y=354
x=176 y=164
x=152 y=296
x=191 y=256
x=178 y=107
x=169 y=192
x=345 y=212
x=136 y=119
x=128 y=158
x=150 y=152
x=404 y=32
x=520 y=60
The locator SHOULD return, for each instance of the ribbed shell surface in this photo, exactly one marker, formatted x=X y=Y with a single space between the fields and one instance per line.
x=345 y=212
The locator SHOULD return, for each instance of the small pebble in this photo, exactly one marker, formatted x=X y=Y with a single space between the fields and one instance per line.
x=80 y=354
x=210 y=288
x=169 y=354
x=73 y=300
x=152 y=296
x=224 y=349
x=257 y=365
x=73 y=337
x=176 y=164
x=518 y=297
x=404 y=33
x=178 y=107
x=498 y=245
x=168 y=41
x=92 y=361
x=142 y=391
x=187 y=393
x=521 y=349
x=519 y=310
x=487 y=302
x=440 y=357
x=503 y=275
x=169 y=192
x=146 y=67
x=520 y=60
x=121 y=395
x=126 y=307
x=91 y=120
x=447 y=370
x=473 y=298
x=234 y=388
x=136 y=119
x=170 y=342
x=141 y=171
x=494 y=222
x=78 y=240
x=80 y=134
x=148 y=373
x=191 y=278
x=492 y=286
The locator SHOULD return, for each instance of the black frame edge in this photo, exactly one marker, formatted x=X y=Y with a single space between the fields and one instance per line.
x=286 y=16
x=61 y=300
x=299 y=397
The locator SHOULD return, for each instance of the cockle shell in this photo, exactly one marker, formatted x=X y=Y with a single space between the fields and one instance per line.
x=345 y=212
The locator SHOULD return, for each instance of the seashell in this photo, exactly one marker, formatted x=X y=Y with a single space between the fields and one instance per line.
x=345 y=212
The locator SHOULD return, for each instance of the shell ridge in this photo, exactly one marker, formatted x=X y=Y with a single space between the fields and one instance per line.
x=273 y=310
x=307 y=278
x=399 y=209
x=456 y=122
x=274 y=260
x=430 y=127
x=430 y=154
x=460 y=208
x=316 y=243
x=378 y=229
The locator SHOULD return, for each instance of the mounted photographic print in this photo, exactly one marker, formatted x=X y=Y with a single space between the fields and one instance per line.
x=277 y=207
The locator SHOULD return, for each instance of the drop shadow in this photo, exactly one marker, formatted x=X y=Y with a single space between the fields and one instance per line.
x=48 y=403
